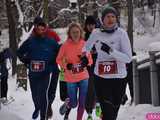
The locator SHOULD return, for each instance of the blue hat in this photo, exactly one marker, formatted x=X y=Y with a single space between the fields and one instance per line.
x=39 y=21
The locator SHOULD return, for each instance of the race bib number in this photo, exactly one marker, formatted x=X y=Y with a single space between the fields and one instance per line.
x=37 y=66
x=77 y=68
x=107 y=67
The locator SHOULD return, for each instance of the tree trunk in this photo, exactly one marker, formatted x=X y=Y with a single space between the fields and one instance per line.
x=81 y=15
x=45 y=11
x=130 y=21
x=12 y=34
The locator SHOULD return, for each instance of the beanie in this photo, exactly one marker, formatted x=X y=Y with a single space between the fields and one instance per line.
x=39 y=21
x=107 y=10
x=90 y=20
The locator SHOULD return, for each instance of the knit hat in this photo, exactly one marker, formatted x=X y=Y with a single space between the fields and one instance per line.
x=39 y=21
x=107 y=10
x=90 y=20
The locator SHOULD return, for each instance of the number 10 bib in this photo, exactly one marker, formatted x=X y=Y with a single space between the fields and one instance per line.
x=107 y=67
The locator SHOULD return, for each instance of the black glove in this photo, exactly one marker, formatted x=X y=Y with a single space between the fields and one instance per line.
x=84 y=61
x=26 y=65
x=105 y=47
x=25 y=59
x=69 y=66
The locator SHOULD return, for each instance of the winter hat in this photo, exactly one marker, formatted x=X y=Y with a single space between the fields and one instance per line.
x=39 y=21
x=90 y=20
x=107 y=10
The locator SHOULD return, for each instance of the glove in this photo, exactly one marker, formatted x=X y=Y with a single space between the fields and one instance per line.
x=25 y=61
x=84 y=61
x=26 y=65
x=93 y=51
x=69 y=66
x=105 y=47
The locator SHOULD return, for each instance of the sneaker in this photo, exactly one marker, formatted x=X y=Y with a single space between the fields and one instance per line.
x=64 y=107
x=89 y=117
x=98 y=110
x=124 y=99
x=6 y=101
x=35 y=114
x=49 y=112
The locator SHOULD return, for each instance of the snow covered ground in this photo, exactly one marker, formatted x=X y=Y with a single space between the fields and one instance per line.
x=22 y=107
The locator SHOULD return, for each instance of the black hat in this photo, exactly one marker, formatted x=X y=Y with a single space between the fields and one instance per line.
x=107 y=10
x=39 y=21
x=90 y=20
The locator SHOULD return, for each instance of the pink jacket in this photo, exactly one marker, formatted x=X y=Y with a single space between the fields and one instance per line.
x=69 y=53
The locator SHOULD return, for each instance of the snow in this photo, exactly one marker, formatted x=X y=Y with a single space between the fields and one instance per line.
x=4 y=40
x=155 y=46
x=62 y=33
x=22 y=107
x=73 y=1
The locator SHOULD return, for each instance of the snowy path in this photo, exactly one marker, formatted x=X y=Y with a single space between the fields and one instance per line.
x=22 y=108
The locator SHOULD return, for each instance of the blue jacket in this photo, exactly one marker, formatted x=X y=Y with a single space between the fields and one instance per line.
x=39 y=49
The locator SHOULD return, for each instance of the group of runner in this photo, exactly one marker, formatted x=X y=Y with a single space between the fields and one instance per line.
x=92 y=67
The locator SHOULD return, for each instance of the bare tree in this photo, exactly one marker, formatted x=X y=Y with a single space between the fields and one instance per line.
x=12 y=33
x=130 y=21
x=45 y=10
x=81 y=15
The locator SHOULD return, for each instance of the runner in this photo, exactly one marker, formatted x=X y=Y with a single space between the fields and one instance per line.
x=70 y=58
x=114 y=51
x=39 y=54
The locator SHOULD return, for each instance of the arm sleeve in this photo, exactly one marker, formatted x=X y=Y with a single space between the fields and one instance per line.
x=57 y=37
x=90 y=60
x=125 y=55
x=54 y=35
x=61 y=57
x=23 y=51
x=57 y=48
x=89 y=44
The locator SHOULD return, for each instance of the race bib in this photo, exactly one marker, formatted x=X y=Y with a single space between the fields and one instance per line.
x=77 y=68
x=107 y=67
x=37 y=66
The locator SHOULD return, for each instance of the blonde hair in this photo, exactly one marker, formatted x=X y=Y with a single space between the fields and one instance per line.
x=75 y=24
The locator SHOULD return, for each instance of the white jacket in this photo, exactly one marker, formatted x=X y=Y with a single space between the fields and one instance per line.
x=121 y=50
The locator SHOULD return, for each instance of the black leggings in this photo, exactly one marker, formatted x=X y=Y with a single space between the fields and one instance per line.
x=109 y=93
x=63 y=90
x=4 y=87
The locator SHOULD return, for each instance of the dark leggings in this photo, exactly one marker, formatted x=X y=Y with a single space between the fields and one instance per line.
x=53 y=87
x=91 y=95
x=109 y=93
x=39 y=86
x=63 y=90
x=4 y=86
